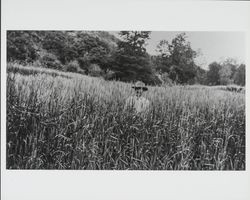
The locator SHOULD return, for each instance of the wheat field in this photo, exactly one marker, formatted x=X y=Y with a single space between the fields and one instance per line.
x=58 y=120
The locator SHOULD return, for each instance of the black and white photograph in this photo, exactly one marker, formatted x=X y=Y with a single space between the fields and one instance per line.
x=125 y=100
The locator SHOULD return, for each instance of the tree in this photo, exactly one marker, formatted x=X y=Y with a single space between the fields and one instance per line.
x=20 y=46
x=232 y=64
x=134 y=41
x=225 y=74
x=92 y=50
x=201 y=76
x=213 y=76
x=131 y=61
x=227 y=71
x=177 y=59
x=240 y=75
x=61 y=44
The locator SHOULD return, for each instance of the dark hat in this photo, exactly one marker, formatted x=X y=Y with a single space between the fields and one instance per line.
x=140 y=85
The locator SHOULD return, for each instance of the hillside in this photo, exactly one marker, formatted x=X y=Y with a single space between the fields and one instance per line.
x=27 y=45
x=101 y=54
x=88 y=52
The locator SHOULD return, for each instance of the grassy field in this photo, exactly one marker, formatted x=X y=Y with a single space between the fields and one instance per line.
x=58 y=120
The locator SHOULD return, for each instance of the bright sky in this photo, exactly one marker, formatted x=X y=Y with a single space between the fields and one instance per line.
x=214 y=46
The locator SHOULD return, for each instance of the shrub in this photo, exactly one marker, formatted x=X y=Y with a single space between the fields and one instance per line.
x=84 y=64
x=73 y=66
x=95 y=70
x=20 y=46
x=109 y=75
x=49 y=60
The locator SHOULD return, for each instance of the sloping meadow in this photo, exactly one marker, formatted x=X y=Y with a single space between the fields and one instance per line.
x=72 y=121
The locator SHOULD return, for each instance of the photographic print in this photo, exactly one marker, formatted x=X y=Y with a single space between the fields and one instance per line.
x=125 y=100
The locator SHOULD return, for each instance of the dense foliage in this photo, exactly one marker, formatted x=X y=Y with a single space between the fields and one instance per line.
x=226 y=73
x=131 y=59
x=177 y=59
x=98 y=53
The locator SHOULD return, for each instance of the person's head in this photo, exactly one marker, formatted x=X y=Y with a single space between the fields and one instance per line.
x=139 y=88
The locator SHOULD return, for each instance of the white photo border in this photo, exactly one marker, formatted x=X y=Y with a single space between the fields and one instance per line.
x=111 y=15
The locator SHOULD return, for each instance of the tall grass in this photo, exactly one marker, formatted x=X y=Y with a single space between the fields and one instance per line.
x=57 y=122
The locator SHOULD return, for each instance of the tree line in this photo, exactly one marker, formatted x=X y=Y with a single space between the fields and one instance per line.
x=98 y=53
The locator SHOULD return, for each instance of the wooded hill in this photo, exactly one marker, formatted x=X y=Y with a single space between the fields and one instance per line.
x=98 y=53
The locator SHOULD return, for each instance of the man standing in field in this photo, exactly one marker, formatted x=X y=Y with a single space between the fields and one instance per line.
x=138 y=103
